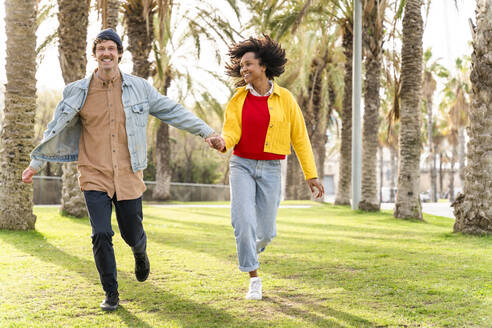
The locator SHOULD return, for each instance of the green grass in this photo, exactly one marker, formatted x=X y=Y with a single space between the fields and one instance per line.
x=328 y=267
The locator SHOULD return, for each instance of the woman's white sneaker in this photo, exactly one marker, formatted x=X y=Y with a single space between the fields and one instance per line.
x=254 y=292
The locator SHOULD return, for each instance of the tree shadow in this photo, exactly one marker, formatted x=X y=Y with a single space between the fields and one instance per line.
x=320 y=315
x=311 y=270
x=130 y=319
x=385 y=243
x=187 y=312
x=335 y=274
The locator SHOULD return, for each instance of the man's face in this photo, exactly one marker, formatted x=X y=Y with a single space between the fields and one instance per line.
x=107 y=55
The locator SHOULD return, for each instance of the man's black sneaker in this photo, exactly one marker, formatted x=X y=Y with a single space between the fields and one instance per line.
x=142 y=266
x=111 y=301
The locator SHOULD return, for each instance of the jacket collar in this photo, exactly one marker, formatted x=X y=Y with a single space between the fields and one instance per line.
x=276 y=89
x=84 y=83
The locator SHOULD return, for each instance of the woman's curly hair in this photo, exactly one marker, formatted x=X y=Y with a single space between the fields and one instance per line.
x=268 y=51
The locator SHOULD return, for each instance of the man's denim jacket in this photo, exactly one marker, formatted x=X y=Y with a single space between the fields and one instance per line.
x=61 y=139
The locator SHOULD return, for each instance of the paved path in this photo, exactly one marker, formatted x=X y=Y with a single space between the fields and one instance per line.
x=197 y=205
x=440 y=209
x=220 y=206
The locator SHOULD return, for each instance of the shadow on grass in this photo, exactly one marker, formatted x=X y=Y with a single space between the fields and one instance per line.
x=315 y=270
x=130 y=319
x=160 y=302
x=188 y=313
x=317 y=313
x=356 y=280
x=385 y=242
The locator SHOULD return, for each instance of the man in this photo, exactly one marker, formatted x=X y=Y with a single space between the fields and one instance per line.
x=101 y=123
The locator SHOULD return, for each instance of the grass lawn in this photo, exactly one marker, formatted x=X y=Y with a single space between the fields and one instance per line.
x=328 y=267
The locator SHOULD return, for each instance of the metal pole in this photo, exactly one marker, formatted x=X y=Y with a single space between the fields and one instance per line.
x=356 y=103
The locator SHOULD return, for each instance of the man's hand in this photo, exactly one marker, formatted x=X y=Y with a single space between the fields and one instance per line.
x=316 y=187
x=28 y=174
x=215 y=141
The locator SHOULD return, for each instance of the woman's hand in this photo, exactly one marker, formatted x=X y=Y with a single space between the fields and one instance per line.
x=316 y=187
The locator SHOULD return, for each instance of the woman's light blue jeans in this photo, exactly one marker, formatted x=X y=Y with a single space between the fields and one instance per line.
x=255 y=197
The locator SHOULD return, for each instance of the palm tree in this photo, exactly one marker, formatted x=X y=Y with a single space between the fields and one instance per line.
x=149 y=26
x=109 y=10
x=316 y=97
x=373 y=43
x=163 y=77
x=390 y=105
x=345 y=164
x=139 y=20
x=407 y=204
x=315 y=117
x=458 y=92
x=453 y=141
x=323 y=14
x=456 y=106
x=16 y=137
x=431 y=69
x=112 y=16
x=72 y=34
x=473 y=208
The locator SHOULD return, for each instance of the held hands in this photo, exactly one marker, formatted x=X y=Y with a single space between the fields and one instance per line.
x=28 y=174
x=316 y=187
x=215 y=141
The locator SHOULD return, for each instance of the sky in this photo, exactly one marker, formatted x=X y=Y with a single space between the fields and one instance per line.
x=447 y=31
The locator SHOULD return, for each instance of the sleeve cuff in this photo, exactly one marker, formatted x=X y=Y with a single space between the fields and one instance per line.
x=208 y=131
x=37 y=164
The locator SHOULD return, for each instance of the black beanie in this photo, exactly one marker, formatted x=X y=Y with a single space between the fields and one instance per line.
x=110 y=34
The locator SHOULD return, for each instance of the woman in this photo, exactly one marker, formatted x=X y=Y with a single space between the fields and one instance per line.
x=262 y=120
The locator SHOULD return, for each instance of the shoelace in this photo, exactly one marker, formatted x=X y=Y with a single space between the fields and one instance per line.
x=255 y=285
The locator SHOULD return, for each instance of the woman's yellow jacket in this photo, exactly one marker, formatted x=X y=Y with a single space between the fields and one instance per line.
x=286 y=126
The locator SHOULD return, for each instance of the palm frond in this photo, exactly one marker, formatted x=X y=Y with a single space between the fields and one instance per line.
x=45 y=12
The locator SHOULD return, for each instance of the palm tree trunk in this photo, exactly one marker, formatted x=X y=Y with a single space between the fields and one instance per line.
x=451 y=175
x=441 y=177
x=317 y=128
x=345 y=164
x=432 y=156
x=295 y=186
x=473 y=209
x=139 y=38
x=407 y=204
x=314 y=113
x=140 y=44
x=394 y=174
x=373 y=61
x=434 y=177
x=162 y=190
x=16 y=138
x=381 y=172
x=112 y=14
x=461 y=152
x=72 y=34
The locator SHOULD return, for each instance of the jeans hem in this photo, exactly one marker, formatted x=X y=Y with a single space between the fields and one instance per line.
x=250 y=268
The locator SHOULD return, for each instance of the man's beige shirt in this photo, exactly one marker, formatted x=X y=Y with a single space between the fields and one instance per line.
x=104 y=160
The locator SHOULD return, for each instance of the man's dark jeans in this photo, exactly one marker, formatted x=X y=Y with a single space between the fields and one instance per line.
x=129 y=217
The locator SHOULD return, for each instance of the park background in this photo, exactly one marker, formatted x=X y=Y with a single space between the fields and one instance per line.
x=330 y=266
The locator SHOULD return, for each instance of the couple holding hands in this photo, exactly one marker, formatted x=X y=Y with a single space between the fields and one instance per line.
x=101 y=124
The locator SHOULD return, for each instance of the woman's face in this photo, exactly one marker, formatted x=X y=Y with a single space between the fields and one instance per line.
x=251 y=70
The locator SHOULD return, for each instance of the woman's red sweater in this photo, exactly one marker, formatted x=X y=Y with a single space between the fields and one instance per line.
x=255 y=120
